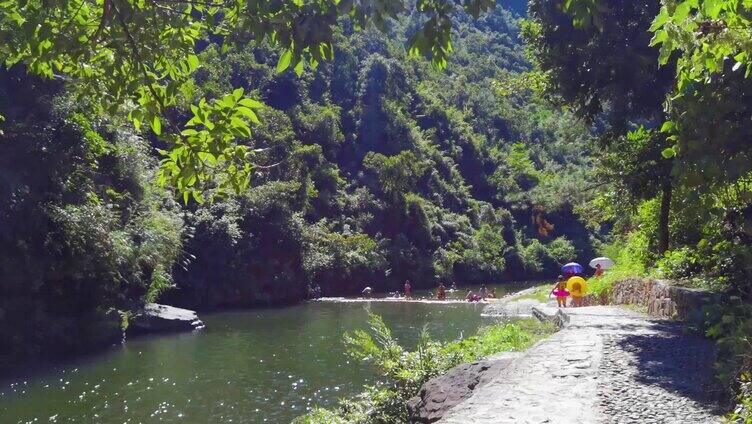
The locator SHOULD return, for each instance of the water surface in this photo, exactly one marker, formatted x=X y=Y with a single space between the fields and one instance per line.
x=244 y=367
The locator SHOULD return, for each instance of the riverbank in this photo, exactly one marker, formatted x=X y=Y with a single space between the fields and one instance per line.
x=93 y=335
x=403 y=372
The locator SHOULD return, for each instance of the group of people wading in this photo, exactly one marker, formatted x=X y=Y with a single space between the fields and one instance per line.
x=441 y=292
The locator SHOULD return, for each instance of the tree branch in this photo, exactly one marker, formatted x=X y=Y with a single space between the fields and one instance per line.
x=141 y=65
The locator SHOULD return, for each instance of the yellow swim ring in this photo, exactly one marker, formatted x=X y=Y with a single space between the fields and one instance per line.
x=577 y=286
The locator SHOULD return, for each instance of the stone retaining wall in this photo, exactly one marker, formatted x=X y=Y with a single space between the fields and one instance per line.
x=661 y=298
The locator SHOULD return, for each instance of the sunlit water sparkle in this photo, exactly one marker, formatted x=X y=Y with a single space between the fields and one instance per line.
x=244 y=367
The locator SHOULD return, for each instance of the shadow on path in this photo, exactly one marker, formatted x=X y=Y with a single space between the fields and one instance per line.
x=677 y=362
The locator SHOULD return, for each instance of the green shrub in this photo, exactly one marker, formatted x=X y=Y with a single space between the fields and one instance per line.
x=404 y=372
x=85 y=232
x=540 y=293
x=718 y=266
x=338 y=261
x=321 y=416
x=742 y=413
x=484 y=253
x=628 y=262
x=535 y=256
x=729 y=323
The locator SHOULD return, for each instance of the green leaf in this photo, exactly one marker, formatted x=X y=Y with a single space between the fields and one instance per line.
x=660 y=20
x=682 y=11
x=249 y=113
x=156 y=125
x=198 y=197
x=659 y=37
x=193 y=61
x=665 y=53
x=668 y=153
x=712 y=8
x=668 y=127
x=284 y=61
x=250 y=103
x=229 y=100
x=241 y=126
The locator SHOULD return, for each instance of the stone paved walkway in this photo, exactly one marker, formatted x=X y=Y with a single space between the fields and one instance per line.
x=608 y=365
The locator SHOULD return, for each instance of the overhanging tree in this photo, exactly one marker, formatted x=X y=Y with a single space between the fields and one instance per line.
x=612 y=77
x=137 y=57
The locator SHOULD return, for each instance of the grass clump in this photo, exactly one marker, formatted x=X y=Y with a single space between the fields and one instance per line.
x=743 y=411
x=509 y=337
x=540 y=293
x=627 y=263
x=320 y=415
x=404 y=372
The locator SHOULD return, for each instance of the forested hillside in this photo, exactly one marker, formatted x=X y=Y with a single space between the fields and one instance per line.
x=370 y=169
x=235 y=154
x=375 y=169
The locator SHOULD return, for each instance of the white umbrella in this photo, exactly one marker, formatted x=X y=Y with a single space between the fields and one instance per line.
x=605 y=262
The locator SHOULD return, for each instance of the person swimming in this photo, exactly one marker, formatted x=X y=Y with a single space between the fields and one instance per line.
x=367 y=292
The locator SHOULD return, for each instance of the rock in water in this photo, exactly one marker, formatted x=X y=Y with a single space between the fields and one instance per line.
x=162 y=318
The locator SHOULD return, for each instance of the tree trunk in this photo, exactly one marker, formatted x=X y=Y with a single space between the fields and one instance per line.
x=663 y=230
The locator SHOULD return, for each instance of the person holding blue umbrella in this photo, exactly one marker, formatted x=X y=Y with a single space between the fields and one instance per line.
x=576 y=285
x=571 y=269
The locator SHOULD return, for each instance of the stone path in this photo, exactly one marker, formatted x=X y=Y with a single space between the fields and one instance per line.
x=607 y=365
x=510 y=308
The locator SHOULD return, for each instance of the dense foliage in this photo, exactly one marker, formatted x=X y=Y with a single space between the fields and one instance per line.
x=671 y=113
x=299 y=167
x=85 y=232
x=369 y=169
x=138 y=58
x=375 y=169
x=404 y=372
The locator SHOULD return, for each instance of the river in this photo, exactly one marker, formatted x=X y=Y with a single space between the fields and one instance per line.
x=251 y=366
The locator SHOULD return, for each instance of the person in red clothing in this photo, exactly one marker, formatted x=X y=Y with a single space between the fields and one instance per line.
x=408 y=289
x=598 y=271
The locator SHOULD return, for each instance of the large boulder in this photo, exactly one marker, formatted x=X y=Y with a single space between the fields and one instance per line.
x=154 y=317
x=440 y=394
